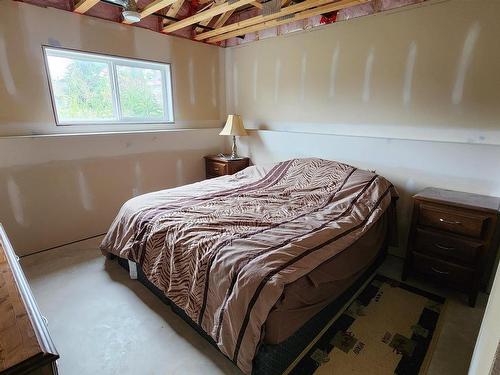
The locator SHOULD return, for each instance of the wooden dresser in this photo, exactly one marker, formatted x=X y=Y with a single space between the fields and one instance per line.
x=217 y=166
x=25 y=344
x=453 y=239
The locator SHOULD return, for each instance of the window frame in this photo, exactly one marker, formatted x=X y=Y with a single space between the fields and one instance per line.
x=112 y=61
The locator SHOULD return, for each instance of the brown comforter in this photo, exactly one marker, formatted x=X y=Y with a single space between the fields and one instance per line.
x=224 y=249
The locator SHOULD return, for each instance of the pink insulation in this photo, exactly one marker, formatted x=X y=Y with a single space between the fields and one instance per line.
x=268 y=33
x=371 y=7
x=356 y=11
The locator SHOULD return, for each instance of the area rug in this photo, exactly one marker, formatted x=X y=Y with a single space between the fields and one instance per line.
x=390 y=328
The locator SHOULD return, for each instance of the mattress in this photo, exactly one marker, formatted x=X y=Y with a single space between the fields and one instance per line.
x=224 y=250
x=307 y=296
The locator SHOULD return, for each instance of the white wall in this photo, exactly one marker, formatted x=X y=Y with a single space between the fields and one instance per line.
x=61 y=188
x=411 y=93
x=58 y=189
x=410 y=165
x=25 y=103
x=423 y=72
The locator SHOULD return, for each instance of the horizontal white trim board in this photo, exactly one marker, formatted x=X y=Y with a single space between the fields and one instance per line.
x=107 y=133
x=44 y=129
x=403 y=132
x=34 y=150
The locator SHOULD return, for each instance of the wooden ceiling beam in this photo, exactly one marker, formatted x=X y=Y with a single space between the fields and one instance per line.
x=261 y=18
x=223 y=19
x=296 y=17
x=83 y=5
x=202 y=23
x=307 y=4
x=283 y=12
x=257 y=4
x=207 y=21
x=219 y=9
x=173 y=10
x=154 y=7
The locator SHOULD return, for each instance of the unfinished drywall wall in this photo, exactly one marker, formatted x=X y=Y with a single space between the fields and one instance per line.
x=426 y=71
x=409 y=164
x=410 y=93
x=197 y=69
x=58 y=189
x=61 y=188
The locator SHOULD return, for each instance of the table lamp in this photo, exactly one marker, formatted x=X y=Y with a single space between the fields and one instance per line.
x=234 y=126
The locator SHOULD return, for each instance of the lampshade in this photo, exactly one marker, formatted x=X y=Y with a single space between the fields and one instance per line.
x=234 y=126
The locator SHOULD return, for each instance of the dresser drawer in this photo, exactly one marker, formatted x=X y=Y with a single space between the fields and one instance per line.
x=455 y=221
x=449 y=273
x=216 y=169
x=447 y=247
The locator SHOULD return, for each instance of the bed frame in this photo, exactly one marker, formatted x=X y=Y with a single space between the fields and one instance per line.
x=281 y=358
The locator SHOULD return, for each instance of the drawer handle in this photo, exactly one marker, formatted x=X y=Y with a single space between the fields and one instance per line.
x=216 y=169
x=450 y=222
x=440 y=272
x=444 y=247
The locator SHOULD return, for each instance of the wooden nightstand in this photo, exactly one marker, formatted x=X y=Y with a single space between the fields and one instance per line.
x=217 y=166
x=453 y=239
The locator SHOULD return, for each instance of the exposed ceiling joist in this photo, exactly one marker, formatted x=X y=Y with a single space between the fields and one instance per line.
x=206 y=14
x=296 y=17
x=257 y=4
x=223 y=19
x=208 y=20
x=173 y=10
x=291 y=9
x=202 y=23
x=84 y=5
x=154 y=7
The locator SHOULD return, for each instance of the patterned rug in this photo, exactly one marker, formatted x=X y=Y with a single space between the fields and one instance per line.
x=390 y=328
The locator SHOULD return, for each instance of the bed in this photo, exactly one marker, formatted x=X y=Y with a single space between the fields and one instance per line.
x=259 y=260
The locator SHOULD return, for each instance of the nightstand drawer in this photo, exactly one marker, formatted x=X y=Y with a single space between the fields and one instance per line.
x=447 y=247
x=456 y=221
x=215 y=168
x=443 y=271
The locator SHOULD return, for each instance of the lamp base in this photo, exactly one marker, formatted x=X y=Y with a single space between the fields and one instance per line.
x=234 y=155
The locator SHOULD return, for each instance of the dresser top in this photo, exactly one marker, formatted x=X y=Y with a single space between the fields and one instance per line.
x=461 y=199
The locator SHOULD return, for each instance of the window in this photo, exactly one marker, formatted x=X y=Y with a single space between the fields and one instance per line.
x=88 y=88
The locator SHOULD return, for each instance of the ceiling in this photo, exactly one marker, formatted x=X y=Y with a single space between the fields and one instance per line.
x=231 y=22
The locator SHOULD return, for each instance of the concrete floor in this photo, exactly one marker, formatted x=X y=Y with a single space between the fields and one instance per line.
x=104 y=323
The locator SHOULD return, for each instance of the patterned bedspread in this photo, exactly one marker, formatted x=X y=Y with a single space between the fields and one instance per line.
x=223 y=249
